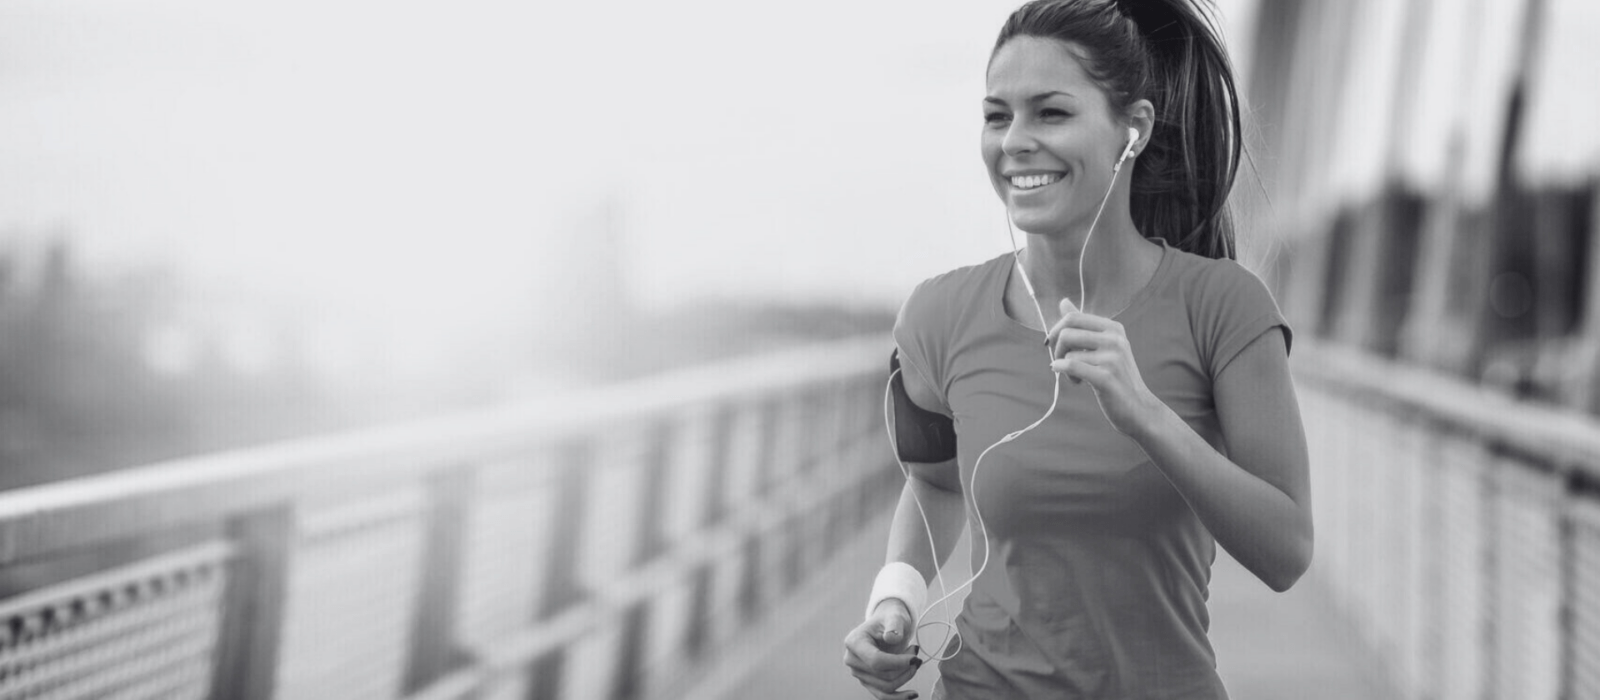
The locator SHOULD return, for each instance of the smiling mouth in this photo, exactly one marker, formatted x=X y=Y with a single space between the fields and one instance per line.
x=1033 y=182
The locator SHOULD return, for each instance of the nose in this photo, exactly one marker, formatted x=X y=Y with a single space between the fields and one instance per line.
x=1018 y=140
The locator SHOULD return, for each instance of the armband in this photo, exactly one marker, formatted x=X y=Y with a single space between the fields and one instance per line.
x=919 y=435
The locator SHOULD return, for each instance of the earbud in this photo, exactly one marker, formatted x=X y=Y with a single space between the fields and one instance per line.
x=1133 y=138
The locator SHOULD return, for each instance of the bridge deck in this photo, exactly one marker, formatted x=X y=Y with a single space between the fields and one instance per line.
x=1269 y=646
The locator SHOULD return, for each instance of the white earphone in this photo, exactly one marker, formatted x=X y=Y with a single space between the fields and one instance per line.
x=1133 y=138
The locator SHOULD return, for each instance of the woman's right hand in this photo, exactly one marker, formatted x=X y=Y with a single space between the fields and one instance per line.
x=879 y=651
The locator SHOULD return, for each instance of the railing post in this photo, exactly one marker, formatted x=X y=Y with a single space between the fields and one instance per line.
x=651 y=535
x=719 y=467
x=607 y=661
x=1581 y=558
x=772 y=446
x=1527 y=608
x=741 y=446
x=1464 y=574
x=1420 y=531
x=680 y=617
x=247 y=660
x=353 y=586
x=434 y=649
x=559 y=588
x=674 y=487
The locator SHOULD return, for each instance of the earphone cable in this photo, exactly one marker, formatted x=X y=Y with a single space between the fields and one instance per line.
x=1055 y=397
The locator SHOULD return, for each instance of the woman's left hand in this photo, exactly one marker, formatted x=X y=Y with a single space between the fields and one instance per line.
x=1094 y=349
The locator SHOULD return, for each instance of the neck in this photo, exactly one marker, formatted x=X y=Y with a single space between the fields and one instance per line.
x=1110 y=265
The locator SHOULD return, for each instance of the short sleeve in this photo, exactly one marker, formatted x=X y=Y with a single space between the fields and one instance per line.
x=1233 y=311
x=917 y=330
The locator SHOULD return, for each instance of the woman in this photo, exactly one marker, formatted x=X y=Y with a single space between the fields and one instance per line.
x=1095 y=529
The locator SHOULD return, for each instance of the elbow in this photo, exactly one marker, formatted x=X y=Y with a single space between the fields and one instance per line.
x=1281 y=583
x=1293 y=567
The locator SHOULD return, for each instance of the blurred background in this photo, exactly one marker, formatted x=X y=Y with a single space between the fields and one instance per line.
x=494 y=350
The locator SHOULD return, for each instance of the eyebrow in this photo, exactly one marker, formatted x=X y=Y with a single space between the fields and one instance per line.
x=1036 y=98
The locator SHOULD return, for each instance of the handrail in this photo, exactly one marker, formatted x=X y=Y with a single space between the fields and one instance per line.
x=504 y=560
x=1450 y=531
x=43 y=518
x=602 y=542
x=1563 y=439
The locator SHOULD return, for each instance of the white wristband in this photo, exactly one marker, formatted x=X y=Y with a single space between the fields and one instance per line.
x=898 y=579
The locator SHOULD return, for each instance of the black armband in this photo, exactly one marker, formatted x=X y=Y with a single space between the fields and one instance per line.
x=919 y=435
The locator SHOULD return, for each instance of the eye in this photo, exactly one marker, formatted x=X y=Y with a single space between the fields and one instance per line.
x=1053 y=114
x=995 y=118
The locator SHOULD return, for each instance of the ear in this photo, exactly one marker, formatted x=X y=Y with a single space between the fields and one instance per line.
x=1141 y=115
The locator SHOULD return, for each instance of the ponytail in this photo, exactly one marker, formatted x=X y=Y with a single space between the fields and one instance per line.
x=1171 y=53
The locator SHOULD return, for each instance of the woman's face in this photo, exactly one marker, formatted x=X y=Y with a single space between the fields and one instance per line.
x=1049 y=140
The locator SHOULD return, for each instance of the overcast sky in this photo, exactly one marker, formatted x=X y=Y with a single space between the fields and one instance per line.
x=429 y=155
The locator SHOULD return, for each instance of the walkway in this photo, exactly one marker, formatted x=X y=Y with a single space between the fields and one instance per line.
x=1269 y=646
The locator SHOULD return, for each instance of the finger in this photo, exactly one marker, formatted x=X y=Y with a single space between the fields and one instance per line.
x=891 y=639
x=1072 y=339
x=875 y=684
x=868 y=657
x=1067 y=310
x=875 y=667
x=1078 y=369
x=886 y=683
x=1084 y=321
x=858 y=646
x=907 y=694
x=888 y=664
x=1053 y=335
x=906 y=675
x=1104 y=358
x=1088 y=321
x=855 y=658
x=892 y=634
x=1063 y=367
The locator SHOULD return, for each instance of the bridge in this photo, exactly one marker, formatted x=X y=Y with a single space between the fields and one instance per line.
x=710 y=533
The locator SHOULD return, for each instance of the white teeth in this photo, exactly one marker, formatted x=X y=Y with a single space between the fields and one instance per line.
x=1028 y=182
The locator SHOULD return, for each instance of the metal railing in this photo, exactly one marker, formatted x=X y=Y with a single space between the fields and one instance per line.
x=608 y=544
x=1458 y=529
x=599 y=545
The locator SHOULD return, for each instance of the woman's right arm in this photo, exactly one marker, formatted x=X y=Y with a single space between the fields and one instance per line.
x=938 y=488
x=876 y=650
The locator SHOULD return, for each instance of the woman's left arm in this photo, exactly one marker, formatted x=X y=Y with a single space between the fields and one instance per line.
x=1258 y=503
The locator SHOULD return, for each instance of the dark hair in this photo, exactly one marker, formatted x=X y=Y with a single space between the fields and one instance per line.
x=1169 y=52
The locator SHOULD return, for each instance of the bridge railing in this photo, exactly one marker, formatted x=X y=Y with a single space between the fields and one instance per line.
x=1458 y=529
x=599 y=545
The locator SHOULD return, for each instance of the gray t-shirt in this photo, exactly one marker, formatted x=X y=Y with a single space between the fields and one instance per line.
x=1097 y=582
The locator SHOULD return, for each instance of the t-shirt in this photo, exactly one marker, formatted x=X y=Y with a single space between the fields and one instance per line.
x=1097 y=579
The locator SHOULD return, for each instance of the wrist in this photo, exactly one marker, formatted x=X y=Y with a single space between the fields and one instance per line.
x=1156 y=419
x=901 y=582
x=891 y=605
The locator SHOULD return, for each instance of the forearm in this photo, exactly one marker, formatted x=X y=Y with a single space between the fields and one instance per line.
x=1259 y=524
x=908 y=537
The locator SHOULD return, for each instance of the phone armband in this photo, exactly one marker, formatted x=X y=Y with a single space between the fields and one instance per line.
x=919 y=435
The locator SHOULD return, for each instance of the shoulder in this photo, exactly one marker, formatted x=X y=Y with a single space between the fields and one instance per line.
x=1227 y=304
x=937 y=299
x=1220 y=289
x=1200 y=278
x=936 y=316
